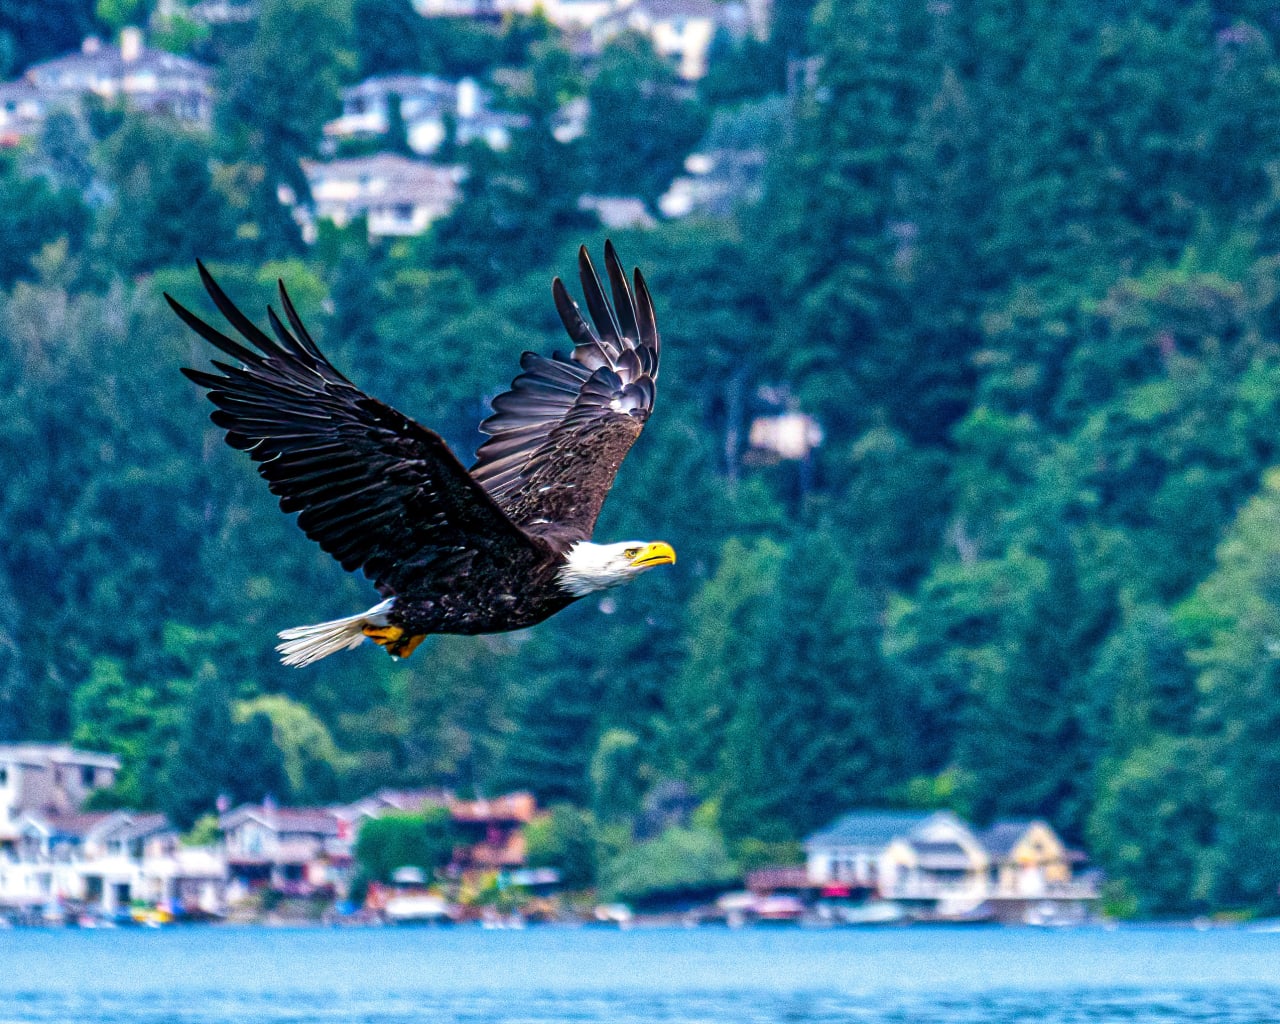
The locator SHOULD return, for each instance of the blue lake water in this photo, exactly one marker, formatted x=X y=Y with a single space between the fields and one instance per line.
x=587 y=976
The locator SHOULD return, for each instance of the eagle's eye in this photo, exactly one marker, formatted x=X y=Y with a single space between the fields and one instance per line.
x=630 y=553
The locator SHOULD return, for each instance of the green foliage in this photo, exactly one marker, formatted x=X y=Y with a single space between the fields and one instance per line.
x=203 y=832
x=313 y=764
x=1017 y=261
x=277 y=92
x=165 y=209
x=1153 y=827
x=388 y=36
x=119 y=13
x=34 y=30
x=564 y=838
x=178 y=33
x=617 y=775
x=34 y=214
x=394 y=841
x=679 y=863
x=640 y=127
x=521 y=205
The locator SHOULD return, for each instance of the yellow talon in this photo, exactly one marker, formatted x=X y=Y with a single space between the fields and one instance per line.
x=410 y=645
x=393 y=640
x=384 y=636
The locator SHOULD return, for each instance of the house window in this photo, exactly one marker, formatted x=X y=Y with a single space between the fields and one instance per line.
x=4 y=776
x=86 y=776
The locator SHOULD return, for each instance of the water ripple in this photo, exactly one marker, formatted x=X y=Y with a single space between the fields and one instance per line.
x=1257 y=1006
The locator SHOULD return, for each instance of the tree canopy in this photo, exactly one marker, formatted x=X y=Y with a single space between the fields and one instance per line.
x=1017 y=263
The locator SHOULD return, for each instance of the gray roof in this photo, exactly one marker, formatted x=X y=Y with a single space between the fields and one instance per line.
x=40 y=754
x=319 y=821
x=941 y=856
x=108 y=61
x=868 y=828
x=670 y=9
x=403 y=85
x=1000 y=839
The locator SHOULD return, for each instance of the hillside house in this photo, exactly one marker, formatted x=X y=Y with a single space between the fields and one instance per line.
x=397 y=196
x=430 y=107
x=715 y=183
x=681 y=30
x=618 y=213
x=223 y=12
x=141 y=79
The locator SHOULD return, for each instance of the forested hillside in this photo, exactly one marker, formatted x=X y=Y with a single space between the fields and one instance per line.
x=1019 y=261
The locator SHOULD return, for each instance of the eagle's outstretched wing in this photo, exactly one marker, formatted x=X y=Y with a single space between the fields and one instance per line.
x=373 y=488
x=559 y=435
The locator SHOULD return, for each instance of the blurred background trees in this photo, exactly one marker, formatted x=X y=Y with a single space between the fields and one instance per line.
x=1019 y=266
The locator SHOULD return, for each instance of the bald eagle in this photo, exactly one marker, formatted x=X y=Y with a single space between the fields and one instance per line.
x=498 y=547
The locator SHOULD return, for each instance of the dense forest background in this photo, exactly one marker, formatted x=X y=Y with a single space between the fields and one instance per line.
x=1019 y=260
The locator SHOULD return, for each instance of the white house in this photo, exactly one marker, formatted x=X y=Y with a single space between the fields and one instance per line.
x=679 y=29
x=714 y=183
x=151 y=81
x=618 y=213
x=428 y=105
x=848 y=850
x=940 y=858
x=292 y=849
x=900 y=854
x=397 y=195
x=50 y=778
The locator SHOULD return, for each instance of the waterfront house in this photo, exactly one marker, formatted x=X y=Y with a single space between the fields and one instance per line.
x=133 y=857
x=1027 y=857
x=493 y=831
x=385 y=801
x=1033 y=874
x=295 y=850
x=107 y=861
x=40 y=865
x=848 y=850
x=940 y=858
x=907 y=855
x=50 y=778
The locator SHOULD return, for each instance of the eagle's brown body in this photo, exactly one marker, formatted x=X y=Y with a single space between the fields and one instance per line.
x=474 y=593
x=459 y=551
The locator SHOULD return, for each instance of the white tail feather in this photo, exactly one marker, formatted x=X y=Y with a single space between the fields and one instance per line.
x=305 y=644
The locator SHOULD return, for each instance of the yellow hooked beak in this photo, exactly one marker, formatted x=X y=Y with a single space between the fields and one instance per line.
x=657 y=553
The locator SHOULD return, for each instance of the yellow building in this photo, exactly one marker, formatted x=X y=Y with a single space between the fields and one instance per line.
x=1028 y=857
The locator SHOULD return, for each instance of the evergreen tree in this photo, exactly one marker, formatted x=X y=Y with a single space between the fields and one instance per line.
x=277 y=92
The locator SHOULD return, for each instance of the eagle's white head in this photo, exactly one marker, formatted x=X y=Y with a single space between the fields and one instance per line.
x=590 y=567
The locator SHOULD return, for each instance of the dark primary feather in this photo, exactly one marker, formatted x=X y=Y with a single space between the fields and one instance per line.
x=559 y=435
x=376 y=490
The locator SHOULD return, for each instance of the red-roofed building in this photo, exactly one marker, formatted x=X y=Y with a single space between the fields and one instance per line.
x=494 y=831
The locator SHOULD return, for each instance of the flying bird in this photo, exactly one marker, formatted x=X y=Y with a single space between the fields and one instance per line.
x=497 y=547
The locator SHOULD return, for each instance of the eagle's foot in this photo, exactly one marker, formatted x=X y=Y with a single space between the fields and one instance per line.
x=392 y=639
